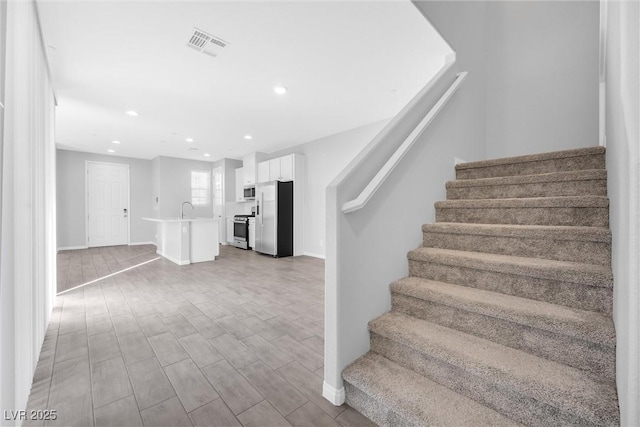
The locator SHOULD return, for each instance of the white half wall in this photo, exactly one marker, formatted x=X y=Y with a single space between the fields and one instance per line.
x=72 y=217
x=27 y=221
x=621 y=33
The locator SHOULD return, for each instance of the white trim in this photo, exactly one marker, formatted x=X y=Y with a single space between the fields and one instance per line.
x=457 y=161
x=72 y=248
x=602 y=77
x=602 y=114
x=128 y=205
x=311 y=254
x=142 y=243
x=333 y=395
x=376 y=182
x=107 y=276
x=173 y=259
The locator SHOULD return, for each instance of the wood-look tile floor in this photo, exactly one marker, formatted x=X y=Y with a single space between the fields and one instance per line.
x=237 y=341
x=82 y=266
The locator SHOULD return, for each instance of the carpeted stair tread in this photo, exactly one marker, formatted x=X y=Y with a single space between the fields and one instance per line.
x=533 y=202
x=590 y=211
x=554 y=184
x=564 y=243
x=557 y=161
x=553 y=232
x=579 y=273
x=532 y=157
x=581 y=175
x=587 y=325
x=567 y=389
x=418 y=400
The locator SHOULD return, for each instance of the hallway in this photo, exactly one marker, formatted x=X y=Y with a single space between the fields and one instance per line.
x=238 y=341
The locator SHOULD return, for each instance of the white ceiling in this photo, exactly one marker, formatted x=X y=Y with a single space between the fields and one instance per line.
x=346 y=64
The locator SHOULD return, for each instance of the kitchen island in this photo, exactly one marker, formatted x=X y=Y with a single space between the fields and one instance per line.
x=187 y=240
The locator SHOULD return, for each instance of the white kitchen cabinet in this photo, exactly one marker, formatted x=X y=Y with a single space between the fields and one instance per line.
x=274 y=170
x=278 y=169
x=287 y=167
x=264 y=174
x=252 y=232
x=230 y=230
x=240 y=185
x=249 y=169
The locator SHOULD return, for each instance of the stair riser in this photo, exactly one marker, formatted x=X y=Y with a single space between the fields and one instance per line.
x=561 y=250
x=543 y=189
x=592 y=161
x=554 y=291
x=485 y=390
x=595 y=359
x=372 y=408
x=588 y=217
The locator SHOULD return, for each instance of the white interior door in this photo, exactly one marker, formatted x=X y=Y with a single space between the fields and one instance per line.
x=107 y=204
x=218 y=203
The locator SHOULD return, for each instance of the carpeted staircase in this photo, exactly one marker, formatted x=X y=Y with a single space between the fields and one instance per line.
x=505 y=318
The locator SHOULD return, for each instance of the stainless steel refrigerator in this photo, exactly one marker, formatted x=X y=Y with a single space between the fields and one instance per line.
x=274 y=218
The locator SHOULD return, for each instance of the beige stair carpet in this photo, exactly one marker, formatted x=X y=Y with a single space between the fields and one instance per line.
x=505 y=318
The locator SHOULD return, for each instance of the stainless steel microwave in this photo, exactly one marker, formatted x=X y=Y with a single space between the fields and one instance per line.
x=249 y=192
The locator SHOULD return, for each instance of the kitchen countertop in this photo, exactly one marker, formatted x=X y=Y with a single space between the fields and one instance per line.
x=176 y=219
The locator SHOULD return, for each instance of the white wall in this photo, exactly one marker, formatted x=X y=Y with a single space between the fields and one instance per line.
x=27 y=251
x=174 y=186
x=324 y=159
x=167 y=178
x=366 y=250
x=71 y=197
x=622 y=77
x=542 y=76
x=537 y=66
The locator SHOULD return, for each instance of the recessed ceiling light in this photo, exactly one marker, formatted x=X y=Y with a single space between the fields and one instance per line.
x=280 y=90
x=207 y=155
x=132 y=113
x=189 y=139
x=248 y=137
x=115 y=142
x=111 y=151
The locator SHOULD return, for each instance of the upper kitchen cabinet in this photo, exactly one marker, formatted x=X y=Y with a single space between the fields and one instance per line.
x=239 y=185
x=280 y=168
x=264 y=171
x=249 y=164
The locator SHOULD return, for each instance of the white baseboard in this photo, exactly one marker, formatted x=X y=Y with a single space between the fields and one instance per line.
x=142 y=243
x=457 y=161
x=72 y=248
x=311 y=254
x=172 y=259
x=333 y=395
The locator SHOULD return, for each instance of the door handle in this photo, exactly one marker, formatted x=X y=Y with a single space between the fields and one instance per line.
x=125 y=213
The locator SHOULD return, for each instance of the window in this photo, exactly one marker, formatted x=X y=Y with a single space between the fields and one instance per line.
x=200 y=188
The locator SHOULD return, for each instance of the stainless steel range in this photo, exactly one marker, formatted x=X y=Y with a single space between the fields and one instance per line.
x=241 y=231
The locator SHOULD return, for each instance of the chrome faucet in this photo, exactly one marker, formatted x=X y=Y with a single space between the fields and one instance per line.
x=182 y=208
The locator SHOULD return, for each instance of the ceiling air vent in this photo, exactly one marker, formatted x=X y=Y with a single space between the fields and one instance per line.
x=206 y=43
